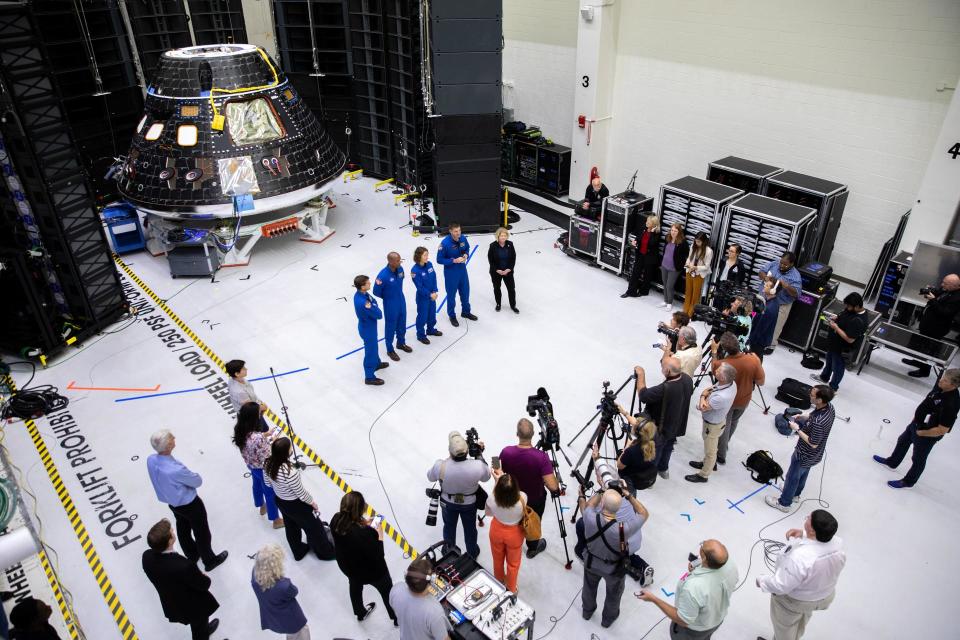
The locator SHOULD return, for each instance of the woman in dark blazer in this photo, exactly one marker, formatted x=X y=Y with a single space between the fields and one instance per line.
x=502 y=257
x=277 y=596
x=359 y=549
x=647 y=250
x=730 y=269
x=675 y=253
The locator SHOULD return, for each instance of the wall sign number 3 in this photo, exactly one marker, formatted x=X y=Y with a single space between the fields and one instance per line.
x=954 y=151
x=586 y=83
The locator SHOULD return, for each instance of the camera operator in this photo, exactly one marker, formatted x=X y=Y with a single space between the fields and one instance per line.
x=460 y=480
x=749 y=374
x=688 y=352
x=677 y=319
x=533 y=471
x=702 y=595
x=608 y=530
x=669 y=405
x=943 y=304
x=781 y=284
x=714 y=405
x=847 y=329
x=741 y=309
x=637 y=463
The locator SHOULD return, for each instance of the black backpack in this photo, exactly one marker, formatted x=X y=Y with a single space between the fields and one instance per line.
x=794 y=393
x=763 y=468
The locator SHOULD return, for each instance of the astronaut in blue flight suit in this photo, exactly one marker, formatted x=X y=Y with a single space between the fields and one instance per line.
x=389 y=287
x=368 y=312
x=453 y=254
x=425 y=280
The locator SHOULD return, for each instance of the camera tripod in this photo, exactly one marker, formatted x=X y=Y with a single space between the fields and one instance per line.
x=293 y=434
x=551 y=450
x=606 y=426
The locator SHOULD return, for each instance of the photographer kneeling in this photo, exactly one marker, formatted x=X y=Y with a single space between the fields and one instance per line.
x=688 y=352
x=637 y=463
x=608 y=530
x=460 y=480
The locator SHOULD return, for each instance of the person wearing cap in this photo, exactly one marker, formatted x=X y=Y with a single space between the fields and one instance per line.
x=594 y=195
x=460 y=480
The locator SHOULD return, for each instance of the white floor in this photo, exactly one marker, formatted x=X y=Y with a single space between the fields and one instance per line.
x=287 y=310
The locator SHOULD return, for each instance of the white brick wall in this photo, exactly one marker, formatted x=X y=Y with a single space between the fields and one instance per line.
x=840 y=89
x=543 y=77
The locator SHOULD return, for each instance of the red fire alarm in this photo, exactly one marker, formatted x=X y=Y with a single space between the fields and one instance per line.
x=582 y=121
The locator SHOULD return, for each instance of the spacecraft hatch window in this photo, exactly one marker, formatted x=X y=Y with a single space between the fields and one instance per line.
x=187 y=135
x=154 y=131
x=252 y=122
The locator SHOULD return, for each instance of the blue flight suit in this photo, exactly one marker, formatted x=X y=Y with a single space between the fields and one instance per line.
x=455 y=278
x=367 y=325
x=425 y=280
x=389 y=287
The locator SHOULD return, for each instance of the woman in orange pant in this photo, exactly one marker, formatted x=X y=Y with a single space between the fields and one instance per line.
x=697 y=270
x=506 y=534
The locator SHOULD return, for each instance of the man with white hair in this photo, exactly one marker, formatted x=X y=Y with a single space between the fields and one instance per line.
x=177 y=486
x=715 y=403
x=609 y=546
x=668 y=403
x=688 y=352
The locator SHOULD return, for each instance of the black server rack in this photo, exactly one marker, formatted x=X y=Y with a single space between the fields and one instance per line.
x=617 y=221
x=764 y=228
x=700 y=205
x=826 y=197
x=525 y=154
x=893 y=279
x=553 y=169
x=746 y=175
x=856 y=356
x=801 y=324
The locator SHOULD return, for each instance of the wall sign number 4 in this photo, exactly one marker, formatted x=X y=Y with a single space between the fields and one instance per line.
x=954 y=151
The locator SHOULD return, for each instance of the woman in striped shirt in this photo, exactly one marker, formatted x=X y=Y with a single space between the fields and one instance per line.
x=254 y=446
x=300 y=511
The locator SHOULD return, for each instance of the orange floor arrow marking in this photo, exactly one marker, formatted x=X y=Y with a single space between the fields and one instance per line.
x=70 y=386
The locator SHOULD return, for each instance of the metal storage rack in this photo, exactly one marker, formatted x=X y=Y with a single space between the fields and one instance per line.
x=825 y=197
x=697 y=203
x=746 y=175
x=617 y=221
x=764 y=228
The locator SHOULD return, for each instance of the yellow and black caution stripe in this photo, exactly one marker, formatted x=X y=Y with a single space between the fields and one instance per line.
x=58 y=595
x=83 y=537
x=308 y=451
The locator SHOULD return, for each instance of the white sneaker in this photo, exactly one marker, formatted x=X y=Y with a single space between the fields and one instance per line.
x=775 y=503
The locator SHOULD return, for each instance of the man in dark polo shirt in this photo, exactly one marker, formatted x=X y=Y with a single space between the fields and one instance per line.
x=668 y=403
x=846 y=330
x=532 y=469
x=933 y=418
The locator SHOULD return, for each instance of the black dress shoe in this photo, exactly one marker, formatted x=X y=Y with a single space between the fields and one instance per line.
x=515 y=310
x=694 y=477
x=405 y=348
x=212 y=626
x=911 y=362
x=366 y=614
x=497 y=308
x=216 y=562
x=625 y=295
x=721 y=460
x=434 y=332
x=376 y=382
x=382 y=365
x=423 y=341
x=453 y=321
x=918 y=374
x=393 y=355
x=696 y=464
x=469 y=316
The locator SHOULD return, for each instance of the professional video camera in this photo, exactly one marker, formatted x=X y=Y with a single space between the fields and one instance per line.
x=540 y=406
x=608 y=406
x=473 y=443
x=928 y=290
x=434 y=495
x=718 y=322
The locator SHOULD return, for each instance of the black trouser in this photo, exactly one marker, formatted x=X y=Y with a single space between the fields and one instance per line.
x=641 y=277
x=538 y=506
x=511 y=290
x=198 y=629
x=921 y=449
x=299 y=518
x=193 y=531
x=383 y=584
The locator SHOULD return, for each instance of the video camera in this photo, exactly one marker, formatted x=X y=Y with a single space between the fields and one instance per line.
x=718 y=322
x=539 y=406
x=474 y=450
x=665 y=329
x=928 y=290
x=608 y=406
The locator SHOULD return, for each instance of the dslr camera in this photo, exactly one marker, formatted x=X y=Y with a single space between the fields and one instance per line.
x=928 y=290
x=539 y=406
x=434 y=495
x=665 y=329
x=474 y=450
x=717 y=322
x=609 y=478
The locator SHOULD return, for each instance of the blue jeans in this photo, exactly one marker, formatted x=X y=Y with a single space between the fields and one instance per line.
x=466 y=513
x=761 y=335
x=921 y=449
x=794 y=481
x=664 y=448
x=263 y=494
x=834 y=366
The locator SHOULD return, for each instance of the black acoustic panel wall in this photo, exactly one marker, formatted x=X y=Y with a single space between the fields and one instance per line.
x=30 y=317
x=218 y=21
x=466 y=9
x=467 y=66
x=463 y=35
x=467 y=129
x=460 y=185
x=158 y=26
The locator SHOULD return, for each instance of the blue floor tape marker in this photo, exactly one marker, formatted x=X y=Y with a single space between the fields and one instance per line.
x=439 y=307
x=733 y=505
x=687 y=516
x=666 y=593
x=173 y=393
x=699 y=501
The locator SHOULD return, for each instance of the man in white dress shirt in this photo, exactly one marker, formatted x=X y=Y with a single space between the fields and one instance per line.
x=806 y=575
